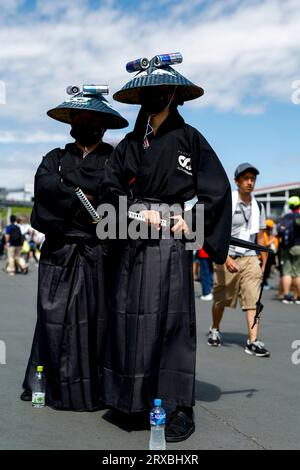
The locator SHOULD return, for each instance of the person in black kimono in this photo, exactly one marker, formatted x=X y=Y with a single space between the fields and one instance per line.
x=72 y=303
x=151 y=350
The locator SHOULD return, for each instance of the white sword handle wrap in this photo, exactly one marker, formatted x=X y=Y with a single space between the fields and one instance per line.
x=88 y=206
x=137 y=216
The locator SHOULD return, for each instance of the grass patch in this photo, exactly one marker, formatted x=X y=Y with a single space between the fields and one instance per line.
x=18 y=211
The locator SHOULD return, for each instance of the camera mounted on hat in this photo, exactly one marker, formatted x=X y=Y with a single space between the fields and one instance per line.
x=88 y=98
x=88 y=89
x=154 y=73
x=160 y=60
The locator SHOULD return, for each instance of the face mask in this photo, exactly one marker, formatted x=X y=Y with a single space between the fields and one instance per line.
x=154 y=105
x=86 y=134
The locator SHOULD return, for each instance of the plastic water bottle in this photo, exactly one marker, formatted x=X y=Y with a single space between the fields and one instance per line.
x=39 y=388
x=157 y=423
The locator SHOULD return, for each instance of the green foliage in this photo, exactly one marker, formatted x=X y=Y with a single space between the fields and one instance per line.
x=18 y=211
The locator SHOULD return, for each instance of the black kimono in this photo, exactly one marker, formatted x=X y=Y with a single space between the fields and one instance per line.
x=72 y=309
x=151 y=350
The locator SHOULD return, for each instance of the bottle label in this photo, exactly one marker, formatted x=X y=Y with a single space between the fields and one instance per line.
x=157 y=417
x=38 y=398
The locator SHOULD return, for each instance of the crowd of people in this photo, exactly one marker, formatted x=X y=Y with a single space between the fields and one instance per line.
x=19 y=244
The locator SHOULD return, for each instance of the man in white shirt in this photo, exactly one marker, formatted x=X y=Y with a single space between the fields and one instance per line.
x=241 y=275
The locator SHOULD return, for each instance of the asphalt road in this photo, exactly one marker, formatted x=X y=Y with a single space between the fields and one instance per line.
x=242 y=402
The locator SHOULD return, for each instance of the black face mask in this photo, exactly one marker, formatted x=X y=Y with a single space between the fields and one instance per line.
x=155 y=104
x=86 y=134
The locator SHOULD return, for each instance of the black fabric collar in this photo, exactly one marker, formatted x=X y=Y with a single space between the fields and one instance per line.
x=173 y=121
x=102 y=149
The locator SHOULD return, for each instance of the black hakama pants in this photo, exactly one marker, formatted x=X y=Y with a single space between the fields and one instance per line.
x=71 y=323
x=151 y=351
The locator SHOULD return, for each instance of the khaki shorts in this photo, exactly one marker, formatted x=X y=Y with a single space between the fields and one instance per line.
x=291 y=261
x=244 y=284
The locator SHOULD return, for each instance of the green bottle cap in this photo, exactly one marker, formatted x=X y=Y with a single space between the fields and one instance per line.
x=40 y=368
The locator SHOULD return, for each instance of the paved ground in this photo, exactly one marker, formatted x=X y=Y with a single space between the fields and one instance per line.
x=243 y=402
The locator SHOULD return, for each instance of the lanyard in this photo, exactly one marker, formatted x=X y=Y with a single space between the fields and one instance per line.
x=244 y=215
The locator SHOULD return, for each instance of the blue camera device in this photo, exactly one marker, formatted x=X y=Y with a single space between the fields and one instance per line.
x=88 y=89
x=159 y=60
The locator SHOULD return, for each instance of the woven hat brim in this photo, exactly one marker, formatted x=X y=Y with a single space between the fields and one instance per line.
x=111 y=118
x=185 y=91
x=110 y=121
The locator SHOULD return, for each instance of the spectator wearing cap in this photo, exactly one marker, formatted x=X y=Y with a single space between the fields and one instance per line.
x=289 y=233
x=241 y=275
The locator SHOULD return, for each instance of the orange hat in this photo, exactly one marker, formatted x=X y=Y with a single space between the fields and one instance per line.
x=270 y=223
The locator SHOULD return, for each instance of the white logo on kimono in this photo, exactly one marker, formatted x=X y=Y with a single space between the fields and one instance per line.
x=185 y=164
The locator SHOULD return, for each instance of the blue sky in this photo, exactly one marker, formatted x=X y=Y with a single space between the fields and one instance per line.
x=244 y=53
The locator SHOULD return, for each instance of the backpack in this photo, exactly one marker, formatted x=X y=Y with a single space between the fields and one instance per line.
x=15 y=236
x=286 y=229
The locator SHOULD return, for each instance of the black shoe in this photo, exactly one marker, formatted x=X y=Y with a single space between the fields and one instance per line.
x=26 y=396
x=256 y=349
x=214 y=337
x=140 y=420
x=288 y=299
x=180 y=426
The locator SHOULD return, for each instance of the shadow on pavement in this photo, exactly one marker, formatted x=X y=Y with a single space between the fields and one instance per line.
x=209 y=392
x=204 y=392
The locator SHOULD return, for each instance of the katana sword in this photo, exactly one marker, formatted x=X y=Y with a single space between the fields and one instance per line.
x=167 y=223
x=137 y=216
x=233 y=241
x=87 y=205
x=249 y=245
x=188 y=205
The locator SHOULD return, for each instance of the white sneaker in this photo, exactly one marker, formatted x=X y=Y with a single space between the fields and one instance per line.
x=214 y=337
x=206 y=297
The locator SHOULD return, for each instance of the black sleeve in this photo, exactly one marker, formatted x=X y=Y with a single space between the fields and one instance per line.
x=54 y=202
x=213 y=190
x=48 y=188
